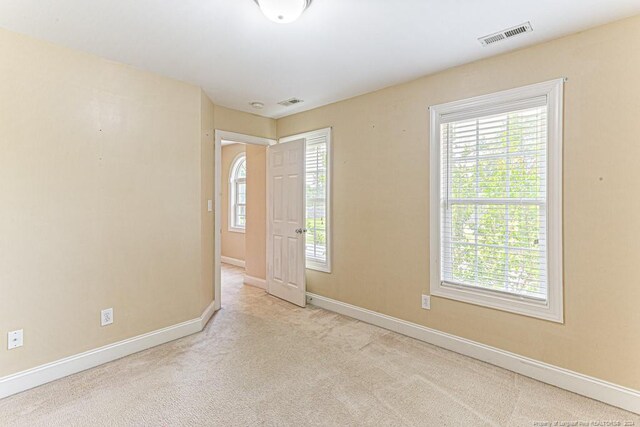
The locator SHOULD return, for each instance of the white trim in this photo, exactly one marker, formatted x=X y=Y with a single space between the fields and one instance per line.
x=242 y=138
x=509 y=95
x=585 y=385
x=305 y=135
x=255 y=281
x=318 y=266
x=43 y=374
x=221 y=135
x=232 y=261
x=225 y=143
x=327 y=132
x=551 y=92
x=207 y=314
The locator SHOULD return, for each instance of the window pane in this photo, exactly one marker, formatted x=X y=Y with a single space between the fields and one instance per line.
x=526 y=176
x=494 y=185
x=241 y=195
x=463 y=268
x=463 y=223
x=526 y=274
x=316 y=206
x=492 y=178
x=492 y=136
x=463 y=179
x=238 y=196
x=525 y=227
x=491 y=267
x=492 y=225
x=242 y=169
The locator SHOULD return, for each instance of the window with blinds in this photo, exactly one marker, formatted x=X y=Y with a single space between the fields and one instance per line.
x=495 y=200
x=317 y=197
x=317 y=192
x=238 y=194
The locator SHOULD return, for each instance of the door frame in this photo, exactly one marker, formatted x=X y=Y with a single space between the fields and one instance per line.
x=221 y=135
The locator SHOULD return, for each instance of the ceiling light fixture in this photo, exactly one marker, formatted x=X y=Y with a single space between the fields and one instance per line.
x=283 y=11
x=257 y=105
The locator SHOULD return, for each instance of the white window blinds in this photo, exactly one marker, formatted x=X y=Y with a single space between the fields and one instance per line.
x=494 y=201
x=238 y=194
x=316 y=199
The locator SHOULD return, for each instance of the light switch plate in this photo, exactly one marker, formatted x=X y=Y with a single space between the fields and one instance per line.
x=15 y=339
x=210 y=205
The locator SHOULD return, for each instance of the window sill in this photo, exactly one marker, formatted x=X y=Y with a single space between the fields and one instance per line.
x=323 y=268
x=512 y=304
x=237 y=230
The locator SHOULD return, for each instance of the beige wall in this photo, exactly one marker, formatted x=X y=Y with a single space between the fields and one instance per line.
x=232 y=242
x=256 y=236
x=105 y=175
x=245 y=123
x=381 y=201
x=102 y=173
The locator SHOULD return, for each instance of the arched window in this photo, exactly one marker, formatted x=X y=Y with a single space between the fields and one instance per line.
x=238 y=194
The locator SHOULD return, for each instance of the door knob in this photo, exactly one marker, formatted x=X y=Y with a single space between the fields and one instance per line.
x=301 y=230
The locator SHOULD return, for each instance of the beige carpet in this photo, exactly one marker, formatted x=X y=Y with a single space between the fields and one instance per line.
x=262 y=361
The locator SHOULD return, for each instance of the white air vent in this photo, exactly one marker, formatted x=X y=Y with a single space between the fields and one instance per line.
x=505 y=34
x=290 y=102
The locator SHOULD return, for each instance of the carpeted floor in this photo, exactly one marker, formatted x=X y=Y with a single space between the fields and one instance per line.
x=262 y=361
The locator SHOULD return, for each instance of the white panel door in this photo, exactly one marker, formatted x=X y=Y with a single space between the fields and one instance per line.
x=286 y=222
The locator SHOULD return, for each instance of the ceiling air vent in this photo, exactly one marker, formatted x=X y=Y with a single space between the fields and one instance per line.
x=505 y=34
x=290 y=102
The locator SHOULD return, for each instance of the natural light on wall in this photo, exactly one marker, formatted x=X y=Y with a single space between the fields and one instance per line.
x=498 y=186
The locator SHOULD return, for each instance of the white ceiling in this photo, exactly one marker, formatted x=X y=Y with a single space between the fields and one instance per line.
x=338 y=49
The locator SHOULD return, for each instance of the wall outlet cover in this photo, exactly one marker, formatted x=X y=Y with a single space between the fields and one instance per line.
x=426 y=302
x=15 y=339
x=106 y=317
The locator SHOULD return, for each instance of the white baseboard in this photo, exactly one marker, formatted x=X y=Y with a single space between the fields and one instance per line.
x=207 y=314
x=232 y=261
x=594 y=388
x=254 y=281
x=43 y=374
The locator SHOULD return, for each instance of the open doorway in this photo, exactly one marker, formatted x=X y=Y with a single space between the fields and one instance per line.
x=240 y=211
x=234 y=204
x=279 y=195
x=234 y=215
x=243 y=215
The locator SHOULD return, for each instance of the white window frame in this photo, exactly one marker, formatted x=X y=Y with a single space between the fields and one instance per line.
x=326 y=132
x=552 y=309
x=233 y=192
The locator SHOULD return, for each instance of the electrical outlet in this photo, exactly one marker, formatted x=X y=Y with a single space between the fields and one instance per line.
x=15 y=339
x=426 y=302
x=106 y=317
